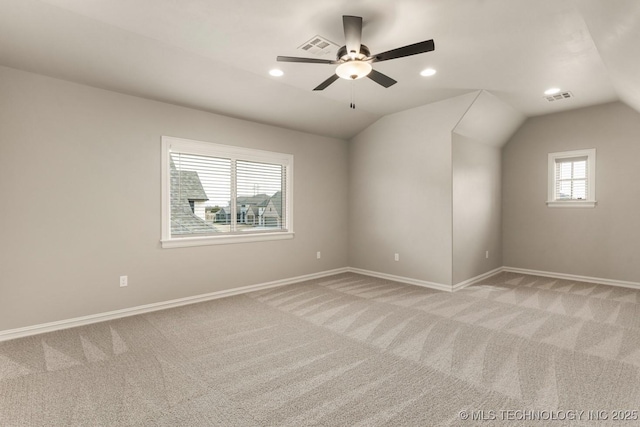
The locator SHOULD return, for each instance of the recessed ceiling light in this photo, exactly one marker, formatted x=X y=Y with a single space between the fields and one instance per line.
x=427 y=72
x=552 y=91
x=276 y=72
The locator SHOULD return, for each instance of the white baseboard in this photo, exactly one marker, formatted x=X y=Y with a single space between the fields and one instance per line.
x=401 y=279
x=426 y=284
x=622 y=283
x=147 y=308
x=476 y=279
x=471 y=281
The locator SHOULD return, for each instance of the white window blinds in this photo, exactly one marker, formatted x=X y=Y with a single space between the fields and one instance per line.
x=214 y=191
x=571 y=178
x=200 y=194
x=259 y=196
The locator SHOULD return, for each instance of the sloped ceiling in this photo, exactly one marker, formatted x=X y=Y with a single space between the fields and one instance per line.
x=489 y=120
x=615 y=28
x=215 y=55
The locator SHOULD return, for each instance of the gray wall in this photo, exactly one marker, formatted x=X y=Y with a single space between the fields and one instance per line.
x=400 y=192
x=601 y=242
x=477 y=223
x=80 y=188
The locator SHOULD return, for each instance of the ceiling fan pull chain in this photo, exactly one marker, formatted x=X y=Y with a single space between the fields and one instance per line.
x=353 y=97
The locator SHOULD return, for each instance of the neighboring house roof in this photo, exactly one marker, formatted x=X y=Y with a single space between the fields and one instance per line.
x=187 y=223
x=276 y=201
x=224 y=211
x=189 y=185
x=185 y=186
x=251 y=205
x=258 y=199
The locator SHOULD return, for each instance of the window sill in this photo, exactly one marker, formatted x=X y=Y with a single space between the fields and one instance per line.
x=224 y=240
x=572 y=204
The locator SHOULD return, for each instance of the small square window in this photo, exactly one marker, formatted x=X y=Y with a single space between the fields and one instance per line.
x=572 y=179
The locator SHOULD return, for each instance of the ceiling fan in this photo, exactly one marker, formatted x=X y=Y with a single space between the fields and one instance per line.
x=354 y=59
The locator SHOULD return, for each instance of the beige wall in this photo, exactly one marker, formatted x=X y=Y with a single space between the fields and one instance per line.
x=477 y=224
x=601 y=242
x=80 y=188
x=477 y=141
x=400 y=192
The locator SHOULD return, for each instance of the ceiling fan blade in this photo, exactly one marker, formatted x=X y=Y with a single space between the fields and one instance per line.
x=412 y=49
x=381 y=79
x=352 y=33
x=327 y=82
x=307 y=60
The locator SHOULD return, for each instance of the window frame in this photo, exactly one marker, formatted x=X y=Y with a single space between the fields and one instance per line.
x=212 y=149
x=590 y=201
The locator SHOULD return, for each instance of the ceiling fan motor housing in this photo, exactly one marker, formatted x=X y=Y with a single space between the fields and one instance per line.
x=343 y=53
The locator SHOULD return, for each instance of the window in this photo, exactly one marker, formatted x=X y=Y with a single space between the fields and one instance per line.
x=218 y=194
x=572 y=179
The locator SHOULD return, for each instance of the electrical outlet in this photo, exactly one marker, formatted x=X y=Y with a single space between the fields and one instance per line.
x=486 y=254
x=318 y=255
x=397 y=257
x=124 y=281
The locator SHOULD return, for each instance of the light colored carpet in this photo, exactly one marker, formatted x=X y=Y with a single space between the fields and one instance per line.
x=344 y=350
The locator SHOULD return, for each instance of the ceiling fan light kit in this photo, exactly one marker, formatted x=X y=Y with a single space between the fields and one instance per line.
x=354 y=59
x=353 y=70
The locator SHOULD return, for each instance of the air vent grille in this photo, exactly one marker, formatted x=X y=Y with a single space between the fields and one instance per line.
x=559 y=96
x=319 y=46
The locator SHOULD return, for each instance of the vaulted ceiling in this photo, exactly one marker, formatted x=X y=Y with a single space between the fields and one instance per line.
x=215 y=55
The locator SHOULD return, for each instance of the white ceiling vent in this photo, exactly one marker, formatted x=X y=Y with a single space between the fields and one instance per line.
x=559 y=96
x=320 y=46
